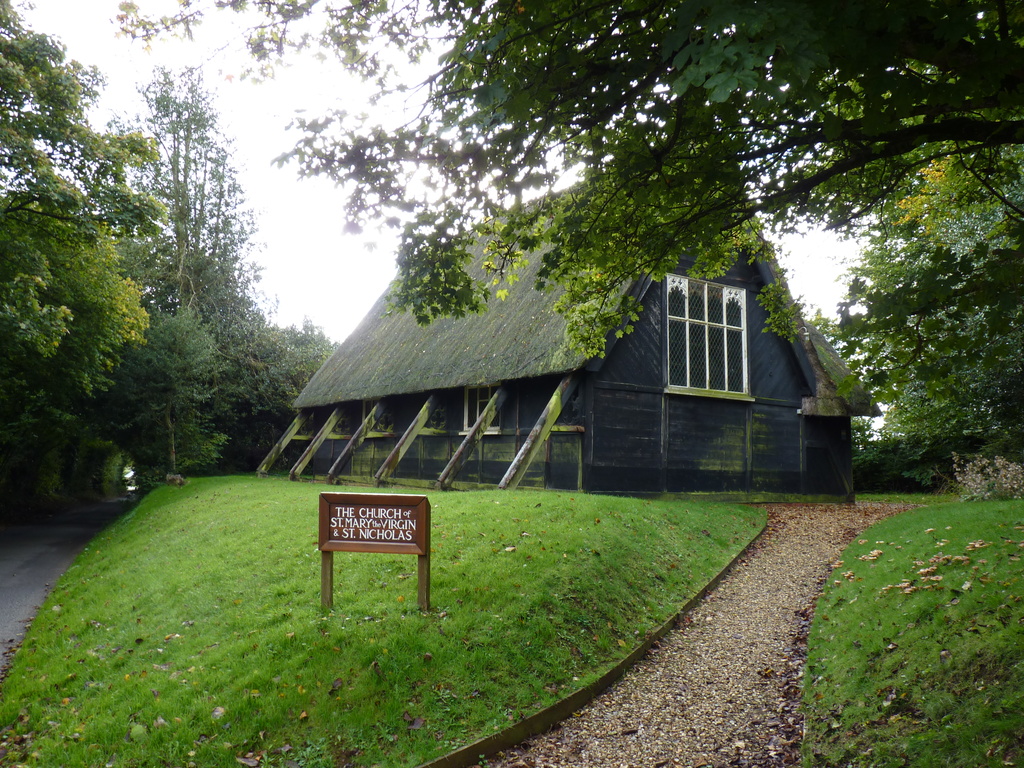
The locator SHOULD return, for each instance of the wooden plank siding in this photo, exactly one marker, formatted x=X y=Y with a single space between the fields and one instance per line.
x=483 y=423
x=535 y=441
x=275 y=453
x=829 y=456
x=707 y=445
x=624 y=431
x=316 y=442
x=776 y=450
x=488 y=461
x=405 y=442
x=624 y=441
x=338 y=463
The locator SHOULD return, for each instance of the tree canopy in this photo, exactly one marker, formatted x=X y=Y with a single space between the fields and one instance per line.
x=940 y=287
x=681 y=125
x=935 y=320
x=213 y=386
x=67 y=311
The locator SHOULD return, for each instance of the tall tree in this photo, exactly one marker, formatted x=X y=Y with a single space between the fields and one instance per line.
x=159 y=409
x=935 y=316
x=214 y=384
x=939 y=289
x=66 y=310
x=687 y=125
x=200 y=260
x=198 y=285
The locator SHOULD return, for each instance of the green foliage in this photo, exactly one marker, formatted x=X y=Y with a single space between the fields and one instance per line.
x=214 y=384
x=937 y=297
x=158 y=408
x=685 y=125
x=199 y=258
x=191 y=631
x=916 y=654
x=66 y=310
x=935 y=316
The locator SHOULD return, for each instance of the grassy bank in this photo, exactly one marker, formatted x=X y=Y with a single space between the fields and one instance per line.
x=191 y=634
x=916 y=655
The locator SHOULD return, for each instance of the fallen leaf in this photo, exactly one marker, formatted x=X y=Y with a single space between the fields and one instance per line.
x=218 y=713
x=250 y=761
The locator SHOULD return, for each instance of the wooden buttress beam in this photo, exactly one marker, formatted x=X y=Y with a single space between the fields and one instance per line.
x=315 y=443
x=535 y=440
x=275 y=453
x=356 y=440
x=404 y=442
x=483 y=423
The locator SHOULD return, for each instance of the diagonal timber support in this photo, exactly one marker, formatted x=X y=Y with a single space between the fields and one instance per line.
x=315 y=443
x=275 y=453
x=535 y=440
x=465 y=450
x=375 y=415
x=405 y=442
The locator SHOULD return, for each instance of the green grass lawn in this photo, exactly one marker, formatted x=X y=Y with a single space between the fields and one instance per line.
x=916 y=654
x=190 y=633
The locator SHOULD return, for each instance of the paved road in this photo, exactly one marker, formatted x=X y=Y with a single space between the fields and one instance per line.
x=32 y=558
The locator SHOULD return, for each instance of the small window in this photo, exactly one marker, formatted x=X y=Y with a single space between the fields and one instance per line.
x=383 y=423
x=707 y=341
x=476 y=401
x=368 y=405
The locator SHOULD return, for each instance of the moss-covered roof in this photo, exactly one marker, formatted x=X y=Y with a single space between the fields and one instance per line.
x=389 y=353
x=519 y=337
x=827 y=402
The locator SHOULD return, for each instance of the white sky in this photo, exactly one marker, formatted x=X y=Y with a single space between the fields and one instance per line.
x=309 y=267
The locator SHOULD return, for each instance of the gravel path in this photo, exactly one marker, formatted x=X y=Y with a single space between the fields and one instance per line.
x=723 y=688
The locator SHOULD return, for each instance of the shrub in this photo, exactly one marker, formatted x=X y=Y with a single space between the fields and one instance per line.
x=982 y=478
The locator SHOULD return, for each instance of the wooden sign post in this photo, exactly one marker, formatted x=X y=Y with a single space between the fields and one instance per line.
x=374 y=522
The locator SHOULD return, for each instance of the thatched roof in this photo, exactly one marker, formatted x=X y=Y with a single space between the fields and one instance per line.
x=830 y=370
x=832 y=373
x=389 y=353
x=518 y=337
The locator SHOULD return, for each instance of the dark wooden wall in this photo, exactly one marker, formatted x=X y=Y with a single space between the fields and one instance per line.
x=643 y=439
x=635 y=436
x=559 y=466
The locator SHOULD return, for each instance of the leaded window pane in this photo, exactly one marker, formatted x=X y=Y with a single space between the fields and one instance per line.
x=697 y=305
x=677 y=375
x=706 y=336
x=734 y=360
x=716 y=357
x=677 y=298
x=698 y=356
x=715 y=307
x=734 y=309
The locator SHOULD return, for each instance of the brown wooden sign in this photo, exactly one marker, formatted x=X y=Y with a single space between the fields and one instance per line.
x=374 y=522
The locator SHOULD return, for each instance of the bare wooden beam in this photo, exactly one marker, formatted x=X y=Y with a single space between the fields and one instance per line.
x=404 y=442
x=535 y=440
x=356 y=440
x=289 y=434
x=465 y=450
x=315 y=443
